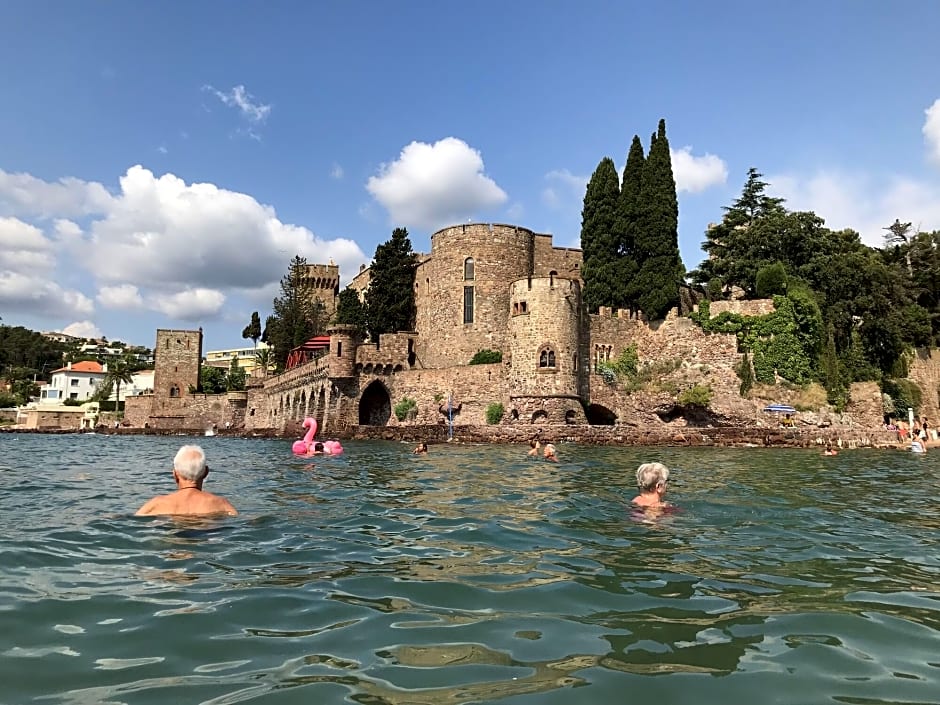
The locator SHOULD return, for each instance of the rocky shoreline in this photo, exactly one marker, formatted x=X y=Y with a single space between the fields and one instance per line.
x=724 y=436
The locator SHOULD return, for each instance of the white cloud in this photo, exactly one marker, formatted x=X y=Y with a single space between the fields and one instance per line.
x=861 y=202
x=24 y=194
x=432 y=185
x=337 y=172
x=162 y=149
x=256 y=113
x=190 y=305
x=931 y=131
x=83 y=329
x=159 y=234
x=696 y=174
x=37 y=295
x=23 y=247
x=565 y=190
x=125 y=296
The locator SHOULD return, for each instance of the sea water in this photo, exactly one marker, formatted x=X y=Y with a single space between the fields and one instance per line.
x=470 y=575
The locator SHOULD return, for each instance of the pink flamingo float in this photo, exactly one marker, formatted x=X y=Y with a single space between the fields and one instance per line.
x=305 y=445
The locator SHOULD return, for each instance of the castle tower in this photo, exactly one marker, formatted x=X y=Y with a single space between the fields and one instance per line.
x=323 y=280
x=344 y=340
x=460 y=290
x=547 y=365
x=177 y=358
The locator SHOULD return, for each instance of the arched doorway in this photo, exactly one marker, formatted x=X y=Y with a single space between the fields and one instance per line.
x=375 y=406
x=540 y=416
x=598 y=415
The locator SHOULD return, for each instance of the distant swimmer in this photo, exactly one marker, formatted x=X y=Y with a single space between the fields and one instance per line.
x=534 y=448
x=189 y=472
x=830 y=450
x=421 y=448
x=651 y=481
x=550 y=453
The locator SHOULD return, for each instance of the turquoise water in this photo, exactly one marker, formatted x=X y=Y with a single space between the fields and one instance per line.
x=468 y=575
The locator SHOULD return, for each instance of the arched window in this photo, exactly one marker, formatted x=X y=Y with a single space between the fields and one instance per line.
x=546 y=357
x=468 y=269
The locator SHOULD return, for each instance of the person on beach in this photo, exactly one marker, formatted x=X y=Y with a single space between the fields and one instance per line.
x=651 y=480
x=421 y=448
x=189 y=472
x=550 y=453
x=534 y=448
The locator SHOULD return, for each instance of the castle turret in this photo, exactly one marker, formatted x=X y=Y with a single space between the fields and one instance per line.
x=344 y=340
x=323 y=281
x=544 y=327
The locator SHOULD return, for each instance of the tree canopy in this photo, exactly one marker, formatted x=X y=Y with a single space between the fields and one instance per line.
x=390 y=299
x=298 y=314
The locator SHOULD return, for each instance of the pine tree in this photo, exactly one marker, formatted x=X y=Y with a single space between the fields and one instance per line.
x=349 y=309
x=297 y=314
x=598 y=239
x=253 y=329
x=390 y=300
x=657 y=239
x=628 y=211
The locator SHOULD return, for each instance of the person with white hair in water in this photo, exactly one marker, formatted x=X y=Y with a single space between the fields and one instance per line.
x=189 y=472
x=651 y=480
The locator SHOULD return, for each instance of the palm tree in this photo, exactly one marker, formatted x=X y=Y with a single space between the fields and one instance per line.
x=117 y=373
x=263 y=359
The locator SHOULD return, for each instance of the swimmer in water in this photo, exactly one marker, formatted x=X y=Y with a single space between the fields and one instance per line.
x=534 y=448
x=189 y=472
x=421 y=448
x=651 y=481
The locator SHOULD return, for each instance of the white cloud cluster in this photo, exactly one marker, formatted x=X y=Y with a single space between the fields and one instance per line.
x=432 y=185
x=255 y=113
x=696 y=174
x=867 y=203
x=83 y=329
x=931 y=131
x=157 y=244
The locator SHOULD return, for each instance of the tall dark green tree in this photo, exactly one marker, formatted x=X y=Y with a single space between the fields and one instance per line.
x=253 y=329
x=599 y=244
x=657 y=238
x=349 y=309
x=629 y=212
x=296 y=316
x=390 y=300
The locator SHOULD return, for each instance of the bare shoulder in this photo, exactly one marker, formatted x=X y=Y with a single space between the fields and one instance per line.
x=151 y=506
x=222 y=505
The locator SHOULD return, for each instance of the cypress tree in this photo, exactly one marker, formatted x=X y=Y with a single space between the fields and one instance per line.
x=628 y=209
x=296 y=313
x=349 y=309
x=390 y=300
x=598 y=239
x=657 y=238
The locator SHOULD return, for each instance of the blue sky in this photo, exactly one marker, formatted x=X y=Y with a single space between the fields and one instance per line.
x=160 y=163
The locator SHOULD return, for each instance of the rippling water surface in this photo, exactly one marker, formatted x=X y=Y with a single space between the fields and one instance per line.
x=469 y=575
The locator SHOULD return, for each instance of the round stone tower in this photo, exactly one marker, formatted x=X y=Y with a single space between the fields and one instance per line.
x=544 y=329
x=344 y=340
x=461 y=290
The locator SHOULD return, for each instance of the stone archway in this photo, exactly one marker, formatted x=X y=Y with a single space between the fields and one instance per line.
x=375 y=405
x=598 y=415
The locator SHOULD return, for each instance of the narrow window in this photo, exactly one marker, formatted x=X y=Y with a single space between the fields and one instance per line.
x=339 y=348
x=543 y=358
x=523 y=307
x=468 y=269
x=515 y=309
x=574 y=362
x=551 y=358
x=468 y=304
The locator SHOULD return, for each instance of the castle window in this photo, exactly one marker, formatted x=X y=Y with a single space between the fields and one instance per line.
x=468 y=269
x=551 y=277
x=523 y=308
x=547 y=357
x=515 y=309
x=574 y=362
x=339 y=348
x=174 y=391
x=468 y=304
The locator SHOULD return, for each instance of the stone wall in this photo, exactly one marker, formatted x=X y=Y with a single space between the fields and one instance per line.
x=757 y=307
x=925 y=372
x=471 y=389
x=395 y=351
x=323 y=281
x=177 y=358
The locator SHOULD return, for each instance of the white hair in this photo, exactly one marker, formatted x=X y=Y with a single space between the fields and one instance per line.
x=190 y=463
x=650 y=475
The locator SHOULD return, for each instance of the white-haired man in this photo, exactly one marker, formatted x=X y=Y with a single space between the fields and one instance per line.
x=651 y=480
x=189 y=472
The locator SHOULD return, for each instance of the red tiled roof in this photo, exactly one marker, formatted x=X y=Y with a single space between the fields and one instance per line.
x=85 y=366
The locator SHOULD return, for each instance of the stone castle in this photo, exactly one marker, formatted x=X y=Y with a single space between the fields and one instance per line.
x=482 y=287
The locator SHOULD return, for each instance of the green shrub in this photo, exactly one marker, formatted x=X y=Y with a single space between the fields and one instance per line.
x=746 y=375
x=494 y=413
x=72 y=402
x=698 y=395
x=7 y=400
x=771 y=280
x=906 y=394
x=486 y=357
x=405 y=408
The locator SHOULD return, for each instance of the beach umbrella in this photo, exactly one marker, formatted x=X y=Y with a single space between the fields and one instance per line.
x=780 y=409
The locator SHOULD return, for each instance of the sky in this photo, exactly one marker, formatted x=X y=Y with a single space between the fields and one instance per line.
x=161 y=163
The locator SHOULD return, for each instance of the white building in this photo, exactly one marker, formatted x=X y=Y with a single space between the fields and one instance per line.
x=74 y=381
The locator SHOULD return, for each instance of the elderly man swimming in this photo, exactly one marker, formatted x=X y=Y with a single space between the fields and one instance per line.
x=189 y=472
x=651 y=479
